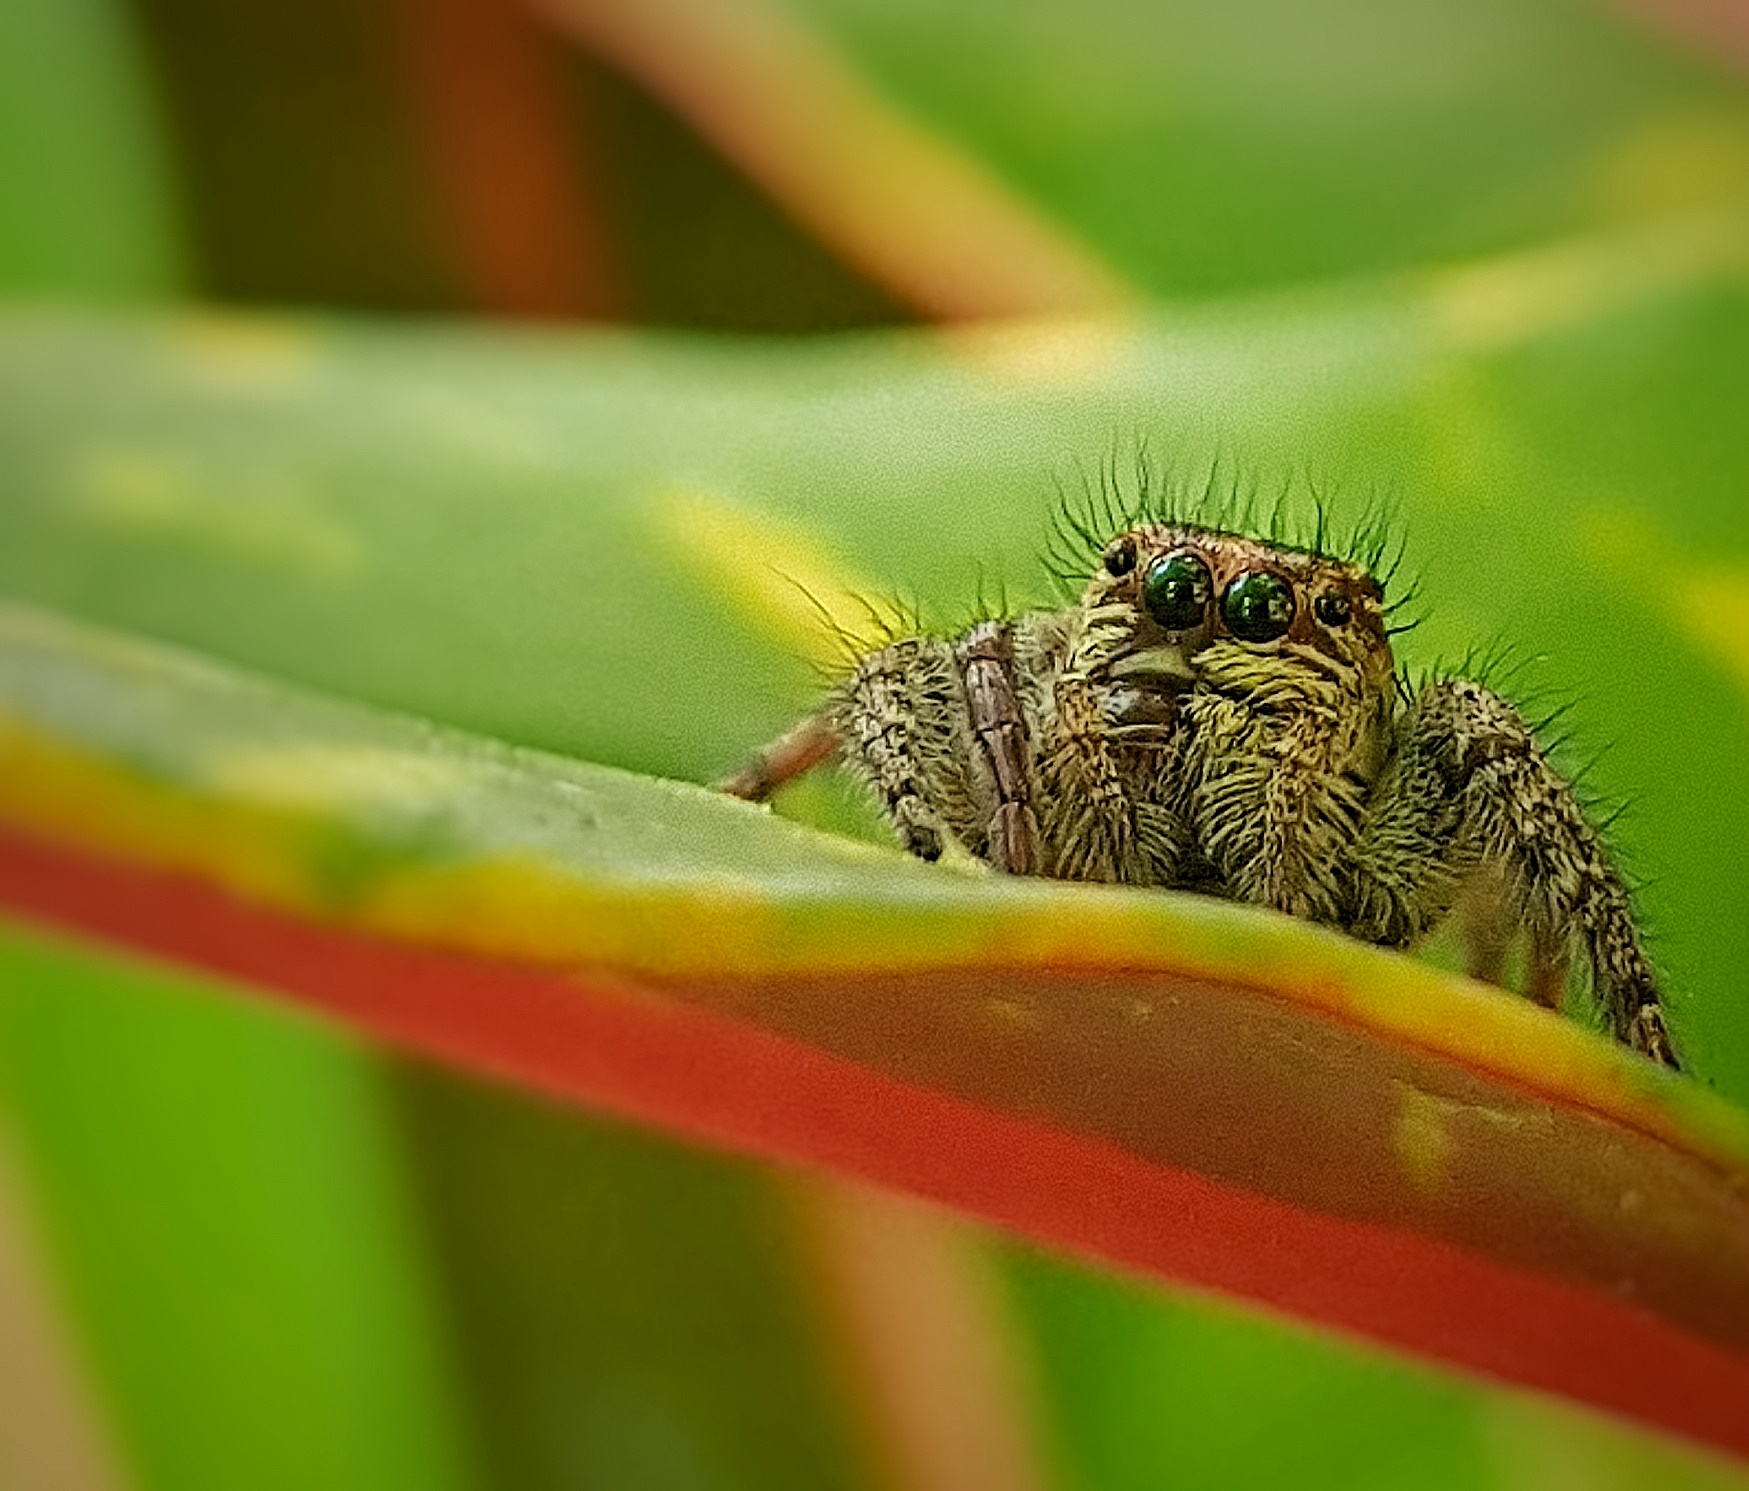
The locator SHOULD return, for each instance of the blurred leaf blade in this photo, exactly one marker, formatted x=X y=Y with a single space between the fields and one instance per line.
x=85 y=206
x=184 y=1297
x=227 y=1231
x=907 y=205
x=1183 y=150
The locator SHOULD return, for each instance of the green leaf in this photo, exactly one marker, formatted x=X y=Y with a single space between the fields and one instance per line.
x=233 y=1223
x=986 y=157
x=582 y=542
x=84 y=207
x=980 y=1027
x=1577 y=497
x=1208 y=148
x=228 y=1226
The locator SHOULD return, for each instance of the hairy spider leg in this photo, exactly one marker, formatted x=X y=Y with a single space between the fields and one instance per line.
x=902 y=714
x=902 y=721
x=986 y=661
x=1469 y=791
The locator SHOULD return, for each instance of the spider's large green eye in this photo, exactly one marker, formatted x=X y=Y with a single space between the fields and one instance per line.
x=1258 y=607
x=1176 y=591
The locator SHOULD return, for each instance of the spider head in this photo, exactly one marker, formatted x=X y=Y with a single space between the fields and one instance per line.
x=1186 y=591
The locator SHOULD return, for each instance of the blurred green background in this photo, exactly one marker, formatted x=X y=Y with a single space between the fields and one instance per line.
x=1489 y=256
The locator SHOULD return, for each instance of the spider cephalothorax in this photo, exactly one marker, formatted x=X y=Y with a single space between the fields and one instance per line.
x=1223 y=713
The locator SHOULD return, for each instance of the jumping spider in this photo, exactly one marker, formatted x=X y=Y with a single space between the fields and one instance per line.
x=1223 y=714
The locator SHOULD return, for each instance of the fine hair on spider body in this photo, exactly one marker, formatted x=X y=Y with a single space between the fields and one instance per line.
x=1215 y=706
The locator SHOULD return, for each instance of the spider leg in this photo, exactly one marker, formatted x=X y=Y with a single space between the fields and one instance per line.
x=1485 y=929
x=986 y=661
x=1468 y=791
x=903 y=718
x=900 y=721
x=1547 y=984
x=798 y=750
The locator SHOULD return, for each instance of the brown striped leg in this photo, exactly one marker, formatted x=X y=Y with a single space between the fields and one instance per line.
x=986 y=661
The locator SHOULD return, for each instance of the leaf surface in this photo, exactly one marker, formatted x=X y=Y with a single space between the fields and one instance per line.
x=1359 y=1138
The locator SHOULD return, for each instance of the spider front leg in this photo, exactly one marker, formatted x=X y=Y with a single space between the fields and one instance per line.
x=794 y=753
x=1469 y=799
x=902 y=717
x=936 y=730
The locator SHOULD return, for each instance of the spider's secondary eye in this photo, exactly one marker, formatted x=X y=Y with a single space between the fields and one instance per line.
x=1258 y=607
x=1332 y=608
x=1120 y=556
x=1176 y=591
